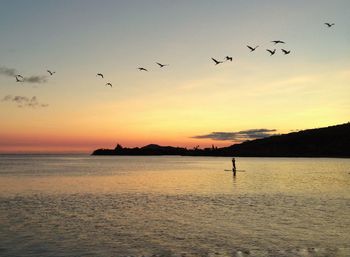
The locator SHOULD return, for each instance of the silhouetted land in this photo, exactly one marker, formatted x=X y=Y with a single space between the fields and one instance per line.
x=333 y=141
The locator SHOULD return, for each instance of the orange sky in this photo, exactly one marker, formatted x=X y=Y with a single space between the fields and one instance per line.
x=191 y=97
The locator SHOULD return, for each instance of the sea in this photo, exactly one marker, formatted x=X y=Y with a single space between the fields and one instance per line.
x=81 y=205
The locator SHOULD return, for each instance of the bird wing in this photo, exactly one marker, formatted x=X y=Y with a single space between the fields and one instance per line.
x=216 y=61
x=251 y=48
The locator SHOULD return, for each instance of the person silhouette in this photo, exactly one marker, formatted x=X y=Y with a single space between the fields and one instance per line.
x=234 y=166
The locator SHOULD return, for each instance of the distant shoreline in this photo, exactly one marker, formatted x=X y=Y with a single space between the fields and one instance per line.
x=328 y=142
x=216 y=156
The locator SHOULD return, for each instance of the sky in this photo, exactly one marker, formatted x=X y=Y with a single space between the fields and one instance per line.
x=188 y=103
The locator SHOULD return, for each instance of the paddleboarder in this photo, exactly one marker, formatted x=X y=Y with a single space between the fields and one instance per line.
x=234 y=166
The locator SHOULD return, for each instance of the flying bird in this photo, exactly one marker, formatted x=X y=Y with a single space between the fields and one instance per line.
x=142 y=69
x=272 y=52
x=278 y=42
x=99 y=74
x=252 y=49
x=228 y=58
x=216 y=61
x=285 y=51
x=329 y=24
x=51 y=72
x=17 y=78
x=109 y=84
x=162 y=65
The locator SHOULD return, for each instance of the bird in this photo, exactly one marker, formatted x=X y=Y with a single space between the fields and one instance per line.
x=142 y=69
x=17 y=78
x=228 y=58
x=272 y=52
x=329 y=24
x=99 y=74
x=161 y=65
x=285 y=51
x=278 y=41
x=252 y=49
x=216 y=61
x=51 y=72
x=109 y=84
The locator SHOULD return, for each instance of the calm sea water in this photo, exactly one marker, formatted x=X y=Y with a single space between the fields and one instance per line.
x=173 y=206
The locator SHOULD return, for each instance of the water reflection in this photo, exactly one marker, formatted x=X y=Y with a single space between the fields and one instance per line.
x=234 y=178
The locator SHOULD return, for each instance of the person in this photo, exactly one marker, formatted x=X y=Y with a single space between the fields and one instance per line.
x=233 y=163
x=234 y=166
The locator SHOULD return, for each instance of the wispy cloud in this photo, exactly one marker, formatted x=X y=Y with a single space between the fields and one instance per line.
x=239 y=136
x=23 y=101
x=35 y=79
x=7 y=71
x=10 y=72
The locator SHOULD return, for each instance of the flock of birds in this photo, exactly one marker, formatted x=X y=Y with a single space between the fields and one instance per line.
x=252 y=49
x=20 y=78
x=216 y=62
x=139 y=68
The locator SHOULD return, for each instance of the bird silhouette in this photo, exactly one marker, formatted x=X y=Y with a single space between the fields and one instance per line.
x=109 y=84
x=142 y=69
x=216 y=61
x=252 y=49
x=278 y=42
x=228 y=58
x=162 y=65
x=99 y=74
x=329 y=24
x=272 y=52
x=51 y=72
x=17 y=78
x=285 y=51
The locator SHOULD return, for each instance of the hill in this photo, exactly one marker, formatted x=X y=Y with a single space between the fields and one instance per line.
x=333 y=141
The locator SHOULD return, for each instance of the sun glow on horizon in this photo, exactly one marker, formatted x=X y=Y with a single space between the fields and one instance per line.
x=308 y=88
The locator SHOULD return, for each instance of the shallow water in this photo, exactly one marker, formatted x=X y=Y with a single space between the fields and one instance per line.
x=173 y=206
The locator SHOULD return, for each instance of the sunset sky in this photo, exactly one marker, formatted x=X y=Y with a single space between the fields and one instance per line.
x=73 y=110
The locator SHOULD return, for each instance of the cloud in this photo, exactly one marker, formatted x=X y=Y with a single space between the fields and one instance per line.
x=7 y=71
x=35 y=79
x=239 y=136
x=23 y=101
x=10 y=72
